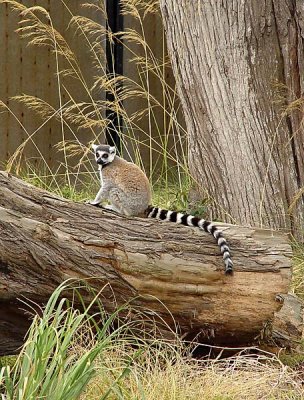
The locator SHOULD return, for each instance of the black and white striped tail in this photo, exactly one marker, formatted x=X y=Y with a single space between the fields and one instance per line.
x=190 y=220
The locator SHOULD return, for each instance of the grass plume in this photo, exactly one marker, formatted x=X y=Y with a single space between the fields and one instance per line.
x=161 y=137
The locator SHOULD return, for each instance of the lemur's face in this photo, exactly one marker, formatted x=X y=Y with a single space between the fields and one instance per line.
x=104 y=154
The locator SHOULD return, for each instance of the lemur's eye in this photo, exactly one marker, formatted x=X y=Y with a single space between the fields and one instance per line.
x=105 y=156
x=97 y=155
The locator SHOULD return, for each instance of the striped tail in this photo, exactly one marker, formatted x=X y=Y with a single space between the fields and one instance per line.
x=190 y=220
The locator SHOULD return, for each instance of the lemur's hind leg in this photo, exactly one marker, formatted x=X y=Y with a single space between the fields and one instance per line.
x=118 y=201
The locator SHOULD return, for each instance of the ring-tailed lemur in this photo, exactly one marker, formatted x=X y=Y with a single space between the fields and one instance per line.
x=127 y=188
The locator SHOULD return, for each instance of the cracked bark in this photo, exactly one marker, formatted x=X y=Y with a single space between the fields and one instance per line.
x=238 y=65
x=45 y=239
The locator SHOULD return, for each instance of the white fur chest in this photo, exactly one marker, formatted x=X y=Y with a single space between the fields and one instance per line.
x=100 y=176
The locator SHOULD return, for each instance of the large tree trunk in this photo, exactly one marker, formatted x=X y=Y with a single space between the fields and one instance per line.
x=174 y=271
x=238 y=65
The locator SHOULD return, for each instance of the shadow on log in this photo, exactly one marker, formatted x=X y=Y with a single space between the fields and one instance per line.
x=45 y=239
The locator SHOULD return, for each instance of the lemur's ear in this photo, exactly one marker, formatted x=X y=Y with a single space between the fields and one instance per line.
x=112 y=150
x=94 y=146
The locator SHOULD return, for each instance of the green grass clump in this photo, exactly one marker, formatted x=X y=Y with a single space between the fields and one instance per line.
x=7 y=361
x=58 y=185
x=293 y=360
x=169 y=195
x=177 y=197
x=49 y=365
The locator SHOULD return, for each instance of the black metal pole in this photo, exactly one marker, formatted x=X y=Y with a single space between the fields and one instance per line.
x=114 y=55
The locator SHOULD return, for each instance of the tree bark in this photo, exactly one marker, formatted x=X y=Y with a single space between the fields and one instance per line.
x=239 y=71
x=173 y=271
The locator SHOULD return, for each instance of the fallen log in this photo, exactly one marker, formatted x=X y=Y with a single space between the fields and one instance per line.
x=175 y=271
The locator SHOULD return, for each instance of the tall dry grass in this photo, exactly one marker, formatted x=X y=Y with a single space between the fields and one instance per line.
x=161 y=138
x=84 y=353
